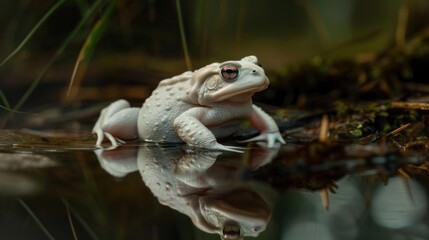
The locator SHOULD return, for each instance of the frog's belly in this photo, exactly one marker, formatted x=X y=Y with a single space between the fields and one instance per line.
x=155 y=127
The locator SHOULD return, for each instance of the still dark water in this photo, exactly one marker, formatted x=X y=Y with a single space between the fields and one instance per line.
x=58 y=186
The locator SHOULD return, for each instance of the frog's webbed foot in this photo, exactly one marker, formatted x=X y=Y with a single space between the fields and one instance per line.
x=269 y=137
x=218 y=146
x=113 y=140
x=267 y=126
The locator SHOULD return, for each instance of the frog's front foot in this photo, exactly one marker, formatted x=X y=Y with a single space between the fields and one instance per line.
x=269 y=137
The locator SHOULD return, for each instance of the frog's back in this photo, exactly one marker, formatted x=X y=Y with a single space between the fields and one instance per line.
x=161 y=108
x=186 y=76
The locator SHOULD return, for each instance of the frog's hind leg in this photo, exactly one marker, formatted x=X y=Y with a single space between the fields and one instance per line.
x=123 y=124
x=117 y=121
x=193 y=132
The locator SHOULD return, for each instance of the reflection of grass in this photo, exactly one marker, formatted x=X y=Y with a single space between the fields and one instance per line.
x=79 y=219
x=70 y=218
x=69 y=210
x=36 y=219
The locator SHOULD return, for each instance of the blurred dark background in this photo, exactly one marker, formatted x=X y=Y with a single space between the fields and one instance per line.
x=142 y=42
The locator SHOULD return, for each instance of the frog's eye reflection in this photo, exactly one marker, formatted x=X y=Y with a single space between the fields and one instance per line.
x=231 y=231
x=229 y=72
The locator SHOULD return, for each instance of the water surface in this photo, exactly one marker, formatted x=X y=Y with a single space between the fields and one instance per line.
x=59 y=186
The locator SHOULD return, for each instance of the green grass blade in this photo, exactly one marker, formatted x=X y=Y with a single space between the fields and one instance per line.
x=36 y=219
x=33 y=30
x=4 y=99
x=83 y=5
x=58 y=53
x=6 y=105
x=88 y=47
x=15 y=111
x=183 y=36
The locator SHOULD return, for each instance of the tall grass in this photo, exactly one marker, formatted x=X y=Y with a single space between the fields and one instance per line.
x=88 y=47
x=183 y=36
x=58 y=53
x=60 y=50
x=53 y=9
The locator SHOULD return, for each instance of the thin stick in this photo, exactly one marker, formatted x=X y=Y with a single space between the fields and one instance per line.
x=398 y=130
x=404 y=173
x=324 y=127
x=409 y=105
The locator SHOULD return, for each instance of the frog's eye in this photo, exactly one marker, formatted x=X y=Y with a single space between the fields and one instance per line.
x=231 y=231
x=229 y=72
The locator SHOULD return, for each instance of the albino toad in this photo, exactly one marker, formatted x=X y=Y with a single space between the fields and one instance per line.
x=194 y=107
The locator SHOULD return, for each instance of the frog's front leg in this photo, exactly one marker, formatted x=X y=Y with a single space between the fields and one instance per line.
x=117 y=122
x=190 y=128
x=269 y=131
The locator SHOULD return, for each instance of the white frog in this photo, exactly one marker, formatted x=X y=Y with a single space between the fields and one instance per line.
x=195 y=107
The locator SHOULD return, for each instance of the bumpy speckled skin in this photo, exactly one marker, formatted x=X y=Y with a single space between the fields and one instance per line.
x=194 y=107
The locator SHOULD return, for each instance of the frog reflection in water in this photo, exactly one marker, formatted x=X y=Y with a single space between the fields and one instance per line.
x=194 y=107
x=194 y=183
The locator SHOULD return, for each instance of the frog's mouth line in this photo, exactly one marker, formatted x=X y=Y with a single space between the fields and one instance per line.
x=230 y=91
